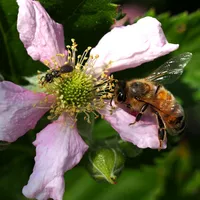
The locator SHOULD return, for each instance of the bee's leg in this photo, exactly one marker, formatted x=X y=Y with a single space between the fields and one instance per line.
x=42 y=80
x=111 y=101
x=139 y=115
x=161 y=130
x=157 y=89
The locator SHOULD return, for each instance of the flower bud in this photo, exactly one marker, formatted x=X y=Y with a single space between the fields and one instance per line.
x=105 y=164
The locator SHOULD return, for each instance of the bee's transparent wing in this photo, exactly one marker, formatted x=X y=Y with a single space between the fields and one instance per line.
x=171 y=70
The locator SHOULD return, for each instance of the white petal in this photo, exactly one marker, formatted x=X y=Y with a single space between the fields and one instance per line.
x=144 y=133
x=42 y=37
x=20 y=110
x=130 y=46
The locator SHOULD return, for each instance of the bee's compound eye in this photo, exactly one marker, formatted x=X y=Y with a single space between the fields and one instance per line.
x=121 y=97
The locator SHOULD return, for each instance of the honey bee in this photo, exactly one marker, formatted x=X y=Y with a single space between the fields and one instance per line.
x=149 y=93
x=55 y=73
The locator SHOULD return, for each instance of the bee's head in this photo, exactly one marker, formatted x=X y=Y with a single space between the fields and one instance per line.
x=120 y=91
x=48 y=77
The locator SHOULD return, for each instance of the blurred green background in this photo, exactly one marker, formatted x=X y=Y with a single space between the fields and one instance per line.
x=173 y=173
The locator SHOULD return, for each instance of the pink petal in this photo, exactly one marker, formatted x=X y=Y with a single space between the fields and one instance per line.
x=144 y=133
x=130 y=46
x=58 y=149
x=132 y=11
x=20 y=110
x=42 y=37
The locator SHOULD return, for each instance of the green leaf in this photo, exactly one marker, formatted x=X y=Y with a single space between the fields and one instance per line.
x=164 y=179
x=105 y=164
x=7 y=16
x=193 y=185
x=81 y=18
x=175 y=170
x=34 y=82
x=132 y=184
x=129 y=149
x=14 y=58
x=89 y=16
x=16 y=164
x=95 y=13
x=103 y=129
x=85 y=14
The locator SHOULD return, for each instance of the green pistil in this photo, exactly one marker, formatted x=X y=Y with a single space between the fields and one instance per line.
x=77 y=90
x=75 y=93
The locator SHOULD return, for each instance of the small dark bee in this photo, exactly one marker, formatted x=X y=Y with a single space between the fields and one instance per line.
x=55 y=73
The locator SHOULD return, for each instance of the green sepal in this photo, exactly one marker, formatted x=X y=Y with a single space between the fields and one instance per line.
x=130 y=150
x=105 y=164
x=34 y=83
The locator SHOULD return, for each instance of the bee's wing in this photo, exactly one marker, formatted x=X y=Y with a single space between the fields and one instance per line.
x=171 y=70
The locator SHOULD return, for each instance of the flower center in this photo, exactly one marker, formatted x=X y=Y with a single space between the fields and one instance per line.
x=75 y=89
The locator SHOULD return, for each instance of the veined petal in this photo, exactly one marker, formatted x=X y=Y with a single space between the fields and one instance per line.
x=42 y=37
x=58 y=148
x=130 y=46
x=144 y=133
x=20 y=110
